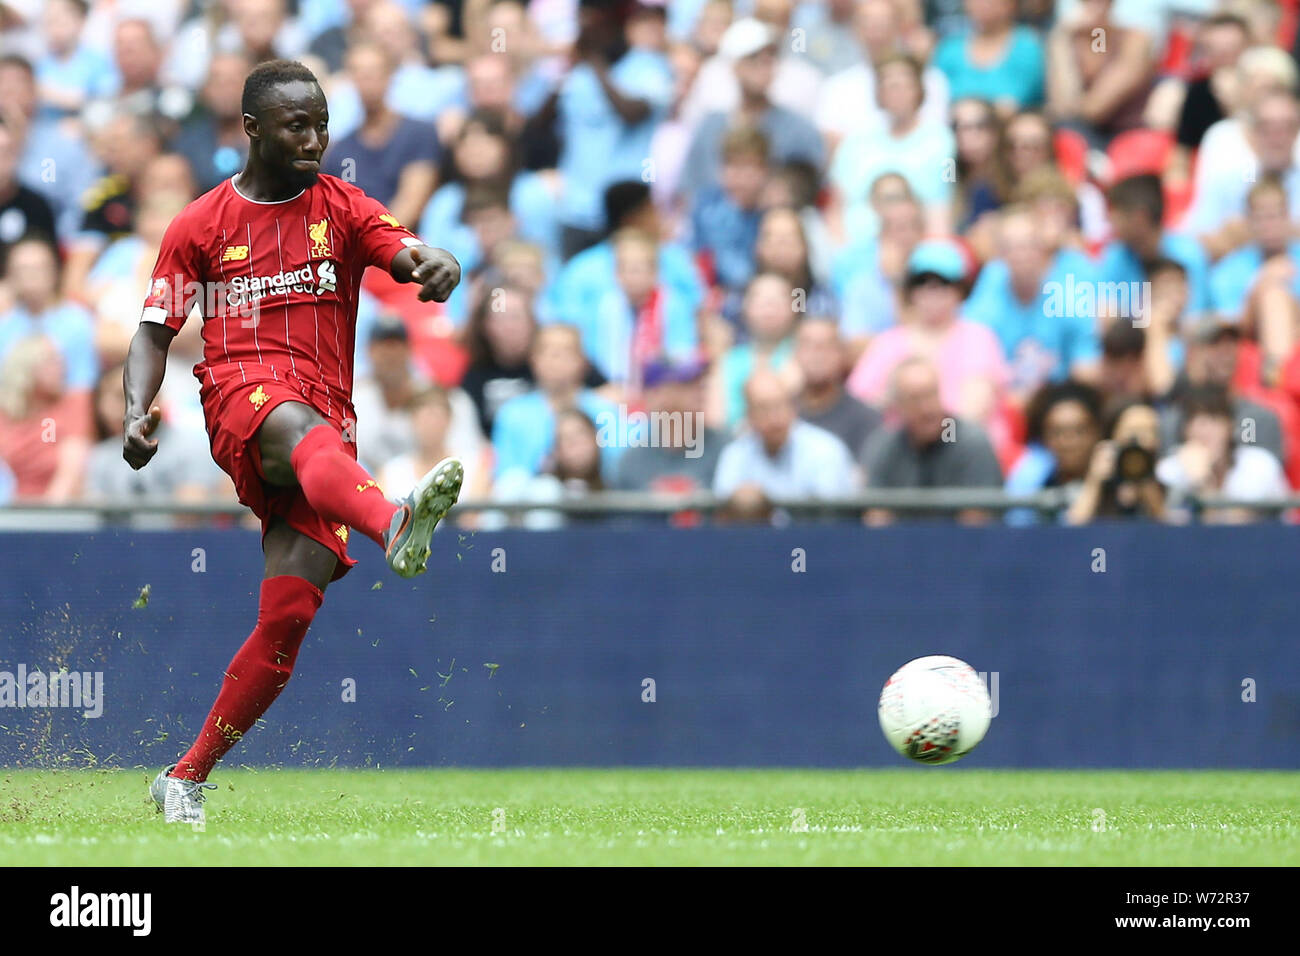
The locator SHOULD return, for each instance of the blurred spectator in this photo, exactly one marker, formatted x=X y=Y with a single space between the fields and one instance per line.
x=779 y=456
x=724 y=82
x=391 y=157
x=1029 y=146
x=499 y=338
x=1212 y=93
x=126 y=145
x=260 y=28
x=1212 y=461
x=483 y=155
x=725 y=217
x=138 y=88
x=1027 y=296
x=672 y=138
x=768 y=317
x=752 y=47
x=983 y=178
x=608 y=104
x=1121 y=481
x=70 y=73
x=417 y=90
x=923 y=151
x=125 y=267
x=182 y=470
x=1234 y=155
x=212 y=139
x=591 y=274
x=430 y=438
x=1063 y=425
x=45 y=428
x=1164 y=347
x=829 y=41
x=871 y=273
x=1259 y=283
x=847 y=102
x=819 y=356
x=32 y=274
x=782 y=247
x=927 y=447
x=1272 y=244
x=523 y=431
x=572 y=470
x=23 y=212
x=1137 y=210
x=1101 y=72
x=55 y=159
x=1124 y=366
x=1213 y=358
x=332 y=44
x=686 y=454
x=641 y=319
x=994 y=58
x=383 y=399
x=972 y=370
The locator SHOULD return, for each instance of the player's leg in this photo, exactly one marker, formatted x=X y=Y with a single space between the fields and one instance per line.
x=298 y=569
x=298 y=446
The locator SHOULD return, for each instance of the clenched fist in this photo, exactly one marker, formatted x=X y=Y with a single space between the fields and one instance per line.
x=137 y=448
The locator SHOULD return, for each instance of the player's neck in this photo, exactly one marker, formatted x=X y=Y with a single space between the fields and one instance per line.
x=256 y=184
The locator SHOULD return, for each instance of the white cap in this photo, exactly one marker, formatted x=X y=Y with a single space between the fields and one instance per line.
x=745 y=38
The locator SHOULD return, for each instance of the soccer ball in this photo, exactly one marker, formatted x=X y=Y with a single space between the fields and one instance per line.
x=935 y=709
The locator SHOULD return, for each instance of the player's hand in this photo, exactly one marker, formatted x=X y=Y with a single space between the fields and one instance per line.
x=437 y=271
x=137 y=447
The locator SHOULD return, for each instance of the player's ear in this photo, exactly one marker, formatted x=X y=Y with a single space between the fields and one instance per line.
x=251 y=126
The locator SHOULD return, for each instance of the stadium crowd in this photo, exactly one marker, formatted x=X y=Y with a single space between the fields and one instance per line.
x=768 y=248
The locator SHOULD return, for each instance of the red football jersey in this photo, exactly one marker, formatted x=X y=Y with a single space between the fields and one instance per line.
x=276 y=283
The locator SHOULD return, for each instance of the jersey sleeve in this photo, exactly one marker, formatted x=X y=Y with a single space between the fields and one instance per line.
x=175 y=277
x=379 y=235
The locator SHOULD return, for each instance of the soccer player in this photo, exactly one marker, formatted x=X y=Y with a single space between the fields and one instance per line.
x=273 y=258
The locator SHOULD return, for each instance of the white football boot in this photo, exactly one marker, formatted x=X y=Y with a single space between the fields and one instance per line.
x=179 y=801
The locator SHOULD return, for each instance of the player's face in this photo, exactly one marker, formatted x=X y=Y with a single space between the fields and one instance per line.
x=292 y=132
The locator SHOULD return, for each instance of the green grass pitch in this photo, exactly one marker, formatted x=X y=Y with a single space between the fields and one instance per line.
x=661 y=817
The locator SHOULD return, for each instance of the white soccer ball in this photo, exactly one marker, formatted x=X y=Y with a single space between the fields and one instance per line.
x=935 y=709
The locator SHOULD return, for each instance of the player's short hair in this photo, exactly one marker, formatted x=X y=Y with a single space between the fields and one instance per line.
x=265 y=77
x=1141 y=193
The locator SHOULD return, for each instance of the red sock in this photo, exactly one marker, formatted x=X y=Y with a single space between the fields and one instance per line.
x=337 y=487
x=258 y=672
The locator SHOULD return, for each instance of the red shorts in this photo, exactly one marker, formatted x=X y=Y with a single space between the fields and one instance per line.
x=233 y=419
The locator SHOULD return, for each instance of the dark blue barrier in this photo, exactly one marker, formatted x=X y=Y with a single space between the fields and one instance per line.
x=1140 y=666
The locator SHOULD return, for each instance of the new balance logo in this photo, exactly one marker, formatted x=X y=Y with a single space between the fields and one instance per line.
x=234 y=254
x=367 y=484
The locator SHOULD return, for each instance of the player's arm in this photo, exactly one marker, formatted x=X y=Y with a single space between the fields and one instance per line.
x=436 y=271
x=142 y=376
